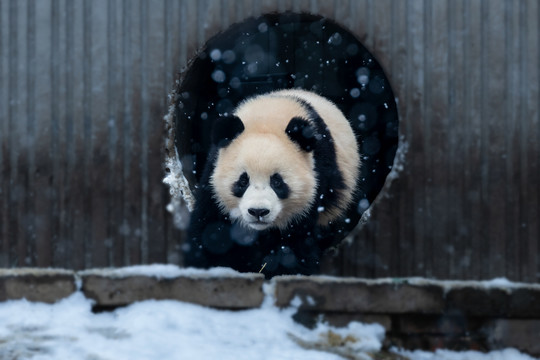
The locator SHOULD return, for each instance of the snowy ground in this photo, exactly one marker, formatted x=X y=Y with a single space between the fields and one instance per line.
x=170 y=330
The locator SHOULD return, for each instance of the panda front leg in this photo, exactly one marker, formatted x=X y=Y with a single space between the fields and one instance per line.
x=207 y=234
x=294 y=251
x=306 y=243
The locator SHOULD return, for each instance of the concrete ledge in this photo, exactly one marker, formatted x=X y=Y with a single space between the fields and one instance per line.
x=520 y=302
x=358 y=295
x=520 y=334
x=45 y=285
x=446 y=324
x=233 y=291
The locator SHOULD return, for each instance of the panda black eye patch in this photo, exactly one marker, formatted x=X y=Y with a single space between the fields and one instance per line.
x=241 y=185
x=278 y=185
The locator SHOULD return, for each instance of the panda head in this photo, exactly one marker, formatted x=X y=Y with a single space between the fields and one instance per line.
x=264 y=178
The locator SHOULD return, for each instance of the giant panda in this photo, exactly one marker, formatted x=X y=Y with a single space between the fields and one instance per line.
x=283 y=167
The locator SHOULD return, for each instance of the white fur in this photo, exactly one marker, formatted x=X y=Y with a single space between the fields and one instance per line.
x=260 y=196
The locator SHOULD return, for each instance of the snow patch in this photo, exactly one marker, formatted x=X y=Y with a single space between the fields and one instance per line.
x=269 y=291
x=34 y=272
x=502 y=284
x=506 y=354
x=399 y=160
x=165 y=330
x=167 y=271
x=497 y=283
x=182 y=199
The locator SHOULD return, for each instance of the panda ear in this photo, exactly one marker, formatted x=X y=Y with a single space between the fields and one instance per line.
x=225 y=129
x=302 y=132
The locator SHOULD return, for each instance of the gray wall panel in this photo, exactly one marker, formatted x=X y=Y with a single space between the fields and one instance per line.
x=84 y=84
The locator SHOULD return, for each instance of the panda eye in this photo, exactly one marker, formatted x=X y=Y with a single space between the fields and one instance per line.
x=243 y=180
x=276 y=181
x=241 y=185
x=278 y=185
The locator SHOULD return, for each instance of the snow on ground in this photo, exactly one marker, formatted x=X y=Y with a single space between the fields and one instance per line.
x=159 y=330
x=171 y=330
x=507 y=354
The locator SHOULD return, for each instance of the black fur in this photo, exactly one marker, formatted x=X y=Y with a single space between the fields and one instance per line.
x=226 y=129
x=280 y=188
x=241 y=185
x=213 y=240
x=329 y=177
x=302 y=133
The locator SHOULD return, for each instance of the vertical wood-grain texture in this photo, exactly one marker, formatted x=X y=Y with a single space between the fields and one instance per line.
x=84 y=84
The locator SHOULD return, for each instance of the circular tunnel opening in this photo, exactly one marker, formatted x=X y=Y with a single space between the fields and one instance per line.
x=278 y=51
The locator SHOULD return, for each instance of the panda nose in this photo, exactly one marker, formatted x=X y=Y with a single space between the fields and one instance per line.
x=258 y=213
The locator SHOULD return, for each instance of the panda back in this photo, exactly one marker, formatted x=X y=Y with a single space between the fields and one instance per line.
x=345 y=145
